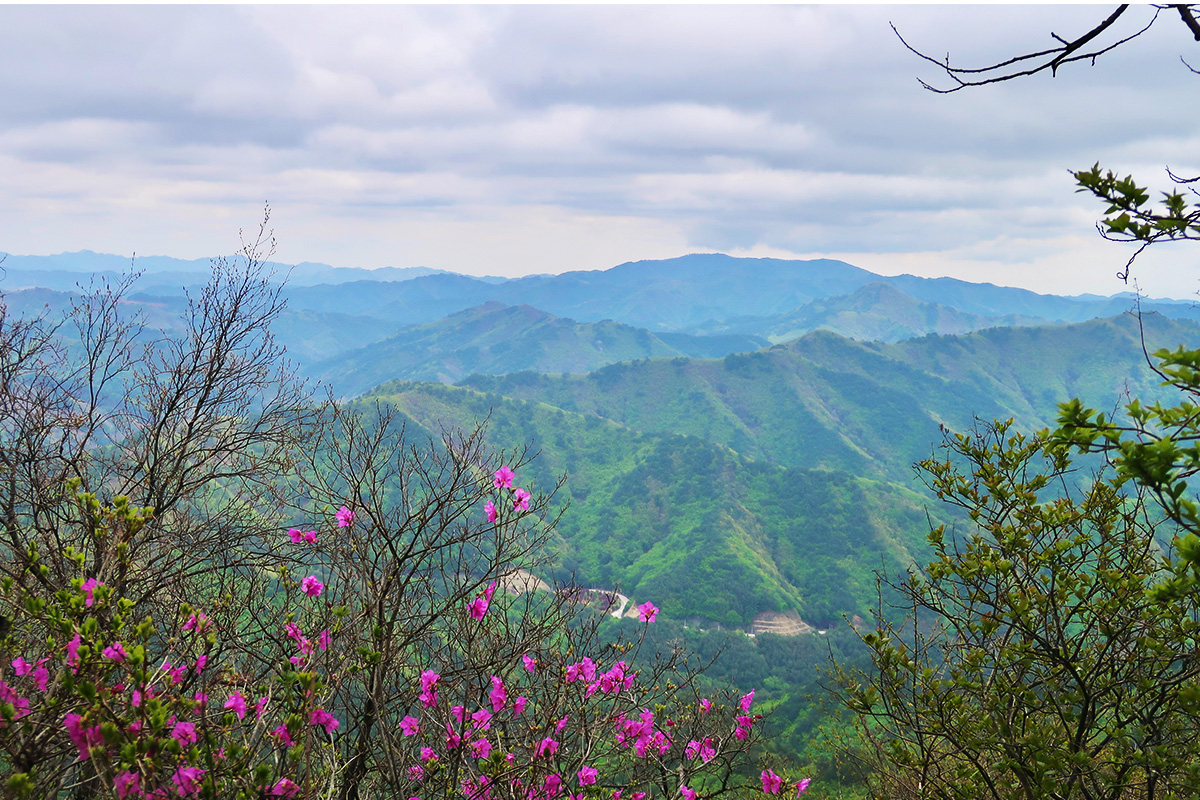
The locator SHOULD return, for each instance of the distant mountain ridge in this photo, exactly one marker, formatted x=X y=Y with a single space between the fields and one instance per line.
x=495 y=339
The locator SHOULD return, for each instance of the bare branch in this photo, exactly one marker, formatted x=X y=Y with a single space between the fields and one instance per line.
x=1050 y=59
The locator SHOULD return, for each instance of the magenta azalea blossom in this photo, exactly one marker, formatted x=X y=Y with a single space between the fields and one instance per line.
x=284 y=788
x=410 y=725
x=311 y=586
x=429 y=680
x=802 y=786
x=771 y=782
x=478 y=608
x=320 y=716
x=746 y=701
x=503 y=478
x=647 y=612
x=490 y=510
x=688 y=794
x=187 y=780
x=519 y=704
x=520 y=500
x=530 y=662
x=481 y=748
x=344 y=517
x=184 y=732
x=547 y=747
x=114 y=652
x=587 y=775
x=237 y=704
x=127 y=784
x=705 y=705
x=73 y=653
x=90 y=586
x=498 y=695
x=427 y=754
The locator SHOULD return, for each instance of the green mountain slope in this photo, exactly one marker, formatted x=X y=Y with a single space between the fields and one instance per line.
x=872 y=408
x=696 y=528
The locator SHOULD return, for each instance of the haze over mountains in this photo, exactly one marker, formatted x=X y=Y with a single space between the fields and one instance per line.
x=737 y=434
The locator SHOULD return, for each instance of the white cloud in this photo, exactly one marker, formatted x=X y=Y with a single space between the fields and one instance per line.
x=505 y=136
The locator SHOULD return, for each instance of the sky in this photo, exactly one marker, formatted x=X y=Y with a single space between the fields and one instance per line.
x=510 y=140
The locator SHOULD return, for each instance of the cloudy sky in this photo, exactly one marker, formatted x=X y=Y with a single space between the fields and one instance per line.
x=514 y=140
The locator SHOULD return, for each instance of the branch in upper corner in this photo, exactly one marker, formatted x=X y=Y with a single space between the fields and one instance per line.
x=1032 y=63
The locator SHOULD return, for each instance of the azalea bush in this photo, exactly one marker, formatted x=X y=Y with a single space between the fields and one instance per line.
x=99 y=702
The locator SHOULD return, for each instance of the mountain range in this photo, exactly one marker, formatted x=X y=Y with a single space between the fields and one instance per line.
x=737 y=435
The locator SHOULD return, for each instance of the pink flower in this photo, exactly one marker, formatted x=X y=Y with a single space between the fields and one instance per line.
x=297 y=536
x=201 y=661
x=320 y=716
x=587 y=775
x=647 y=612
x=281 y=733
x=547 y=747
x=585 y=670
x=344 y=517
x=410 y=725
x=802 y=786
x=687 y=793
x=184 y=732
x=114 y=652
x=73 y=653
x=771 y=782
x=127 y=784
x=520 y=500
x=187 y=780
x=693 y=749
x=427 y=754
x=83 y=738
x=324 y=640
x=519 y=704
x=261 y=705
x=21 y=666
x=416 y=773
x=195 y=622
x=284 y=788
x=561 y=724
x=498 y=695
x=481 y=748
x=429 y=680
x=746 y=701
x=482 y=719
x=530 y=662
x=705 y=705
x=552 y=786
x=89 y=586
x=707 y=751
x=478 y=607
x=489 y=509
x=503 y=478
x=311 y=586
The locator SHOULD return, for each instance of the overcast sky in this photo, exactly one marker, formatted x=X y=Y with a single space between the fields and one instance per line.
x=515 y=140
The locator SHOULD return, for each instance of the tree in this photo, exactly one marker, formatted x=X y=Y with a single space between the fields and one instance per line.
x=1031 y=661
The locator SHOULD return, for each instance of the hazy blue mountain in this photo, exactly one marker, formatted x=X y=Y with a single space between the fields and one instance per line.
x=63 y=271
x=309 y=336
x=493 y=338
x=877 y=311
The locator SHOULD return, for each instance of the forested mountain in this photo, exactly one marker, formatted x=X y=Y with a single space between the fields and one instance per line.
x=778 y=479
x=720 y=476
